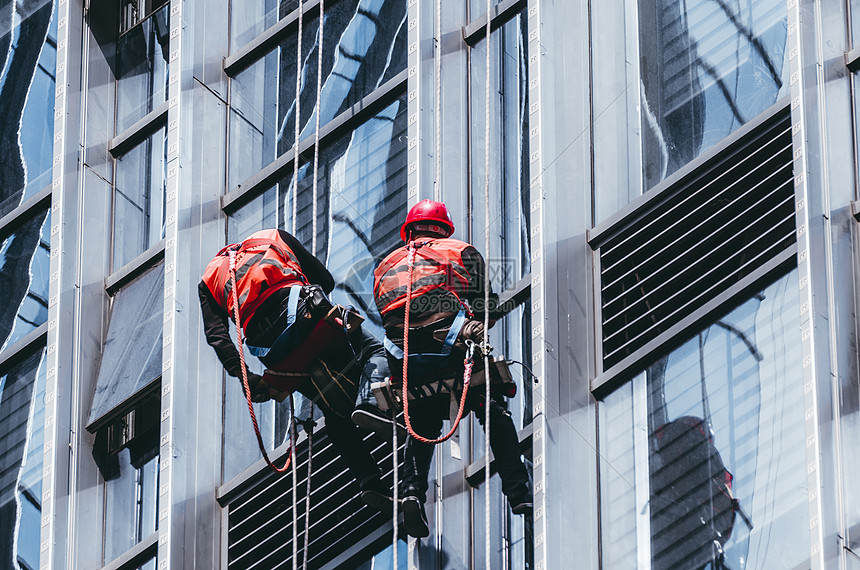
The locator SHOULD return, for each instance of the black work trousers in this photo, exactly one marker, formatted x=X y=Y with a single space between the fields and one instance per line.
x=426 y=417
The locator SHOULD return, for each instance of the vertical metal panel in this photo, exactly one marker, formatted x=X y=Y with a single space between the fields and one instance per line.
x=814 y=270
x=562 y=295
x=191 y=396
x=61 y=385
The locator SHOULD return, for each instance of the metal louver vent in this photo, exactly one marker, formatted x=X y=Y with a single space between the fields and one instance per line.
x=706 y=229
x=260 y=521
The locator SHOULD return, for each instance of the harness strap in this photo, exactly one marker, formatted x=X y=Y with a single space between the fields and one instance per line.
x=453 y=332
x=281 y=341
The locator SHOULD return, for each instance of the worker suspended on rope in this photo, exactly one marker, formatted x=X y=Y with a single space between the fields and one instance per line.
x=445 y=313
x=307 y=344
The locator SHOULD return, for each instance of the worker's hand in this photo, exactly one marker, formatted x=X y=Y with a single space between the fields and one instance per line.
x=472 y=330
x=259 y=389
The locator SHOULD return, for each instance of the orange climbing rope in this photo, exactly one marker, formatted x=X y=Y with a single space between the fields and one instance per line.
x=467 y=362
x=246 y=388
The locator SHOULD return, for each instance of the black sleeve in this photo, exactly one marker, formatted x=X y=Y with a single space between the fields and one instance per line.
x=215 y=325
x=474 y=264
x=312 y=267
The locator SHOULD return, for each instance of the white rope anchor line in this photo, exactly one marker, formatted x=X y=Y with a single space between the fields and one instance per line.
x=314 y=250
x=437 y=104
x=293 y=437
x=317 y=129
x=396 y=486
x=298 y=121
x=487 y=295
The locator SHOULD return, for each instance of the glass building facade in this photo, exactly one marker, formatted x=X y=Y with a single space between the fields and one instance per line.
x=672 y=208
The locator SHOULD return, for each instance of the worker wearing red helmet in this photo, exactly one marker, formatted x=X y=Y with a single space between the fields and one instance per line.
x=446 y=308
x=281 y=289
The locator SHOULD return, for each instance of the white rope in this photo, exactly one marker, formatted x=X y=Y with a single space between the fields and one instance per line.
x=317 y=131
x=298 y=122
x=437 y=60
x=487 y=297
x=314 y=251
x=293 y=436
x=396 y=485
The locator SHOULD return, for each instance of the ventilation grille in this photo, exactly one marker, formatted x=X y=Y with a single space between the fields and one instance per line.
x=260 y=522
x=701 y=234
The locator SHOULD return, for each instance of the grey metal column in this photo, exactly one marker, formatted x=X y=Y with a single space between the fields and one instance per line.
x=62 y=396
x=820 y=104
x=192 y=384
x=565 y=439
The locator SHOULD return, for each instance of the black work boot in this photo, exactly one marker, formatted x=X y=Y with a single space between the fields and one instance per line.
x=414 y=517
x=521 y=504
x=376 y=495
x=371 y=418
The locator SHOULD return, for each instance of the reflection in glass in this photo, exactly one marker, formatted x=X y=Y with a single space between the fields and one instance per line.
x=361 y=204
x=131 y=503
x=509 y=257
x=22 y=414
x=707 y=67
x=28 y=63
x=720 y=421
x=365 y=46
x=139 y=194
x=24 y=270
x=142 y=69
x=250 y=18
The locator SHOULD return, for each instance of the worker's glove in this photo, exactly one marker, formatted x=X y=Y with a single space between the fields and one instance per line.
x=259 y=389
x=472 y=330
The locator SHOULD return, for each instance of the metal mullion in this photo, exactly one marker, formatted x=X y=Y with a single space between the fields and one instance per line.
x=146 y=260
x=42 y=200
x=764 y=254
x=616 y=375
x=139 y=131
x=692 y=229
x=503 y=12
x=708 y=185
x=254 y=50
x=270 y=174
x=689 y=284
x=650 y=200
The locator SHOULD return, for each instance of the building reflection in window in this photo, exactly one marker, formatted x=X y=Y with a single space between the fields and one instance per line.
x=707 y=67
x=28 y=62
x=22 y=420
x=718 y=420
x=141 y=66
x=364 y=47
x=24 y=270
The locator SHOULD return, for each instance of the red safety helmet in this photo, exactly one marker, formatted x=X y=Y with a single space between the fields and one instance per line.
x=428 y=211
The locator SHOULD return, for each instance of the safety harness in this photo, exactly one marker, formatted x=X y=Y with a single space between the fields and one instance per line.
x=468 y=361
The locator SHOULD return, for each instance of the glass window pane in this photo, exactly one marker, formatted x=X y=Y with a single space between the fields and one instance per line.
x=131 y=359
x=28 y=63
x=250 y=18
x=706 y=69
x=364 y=46
x=24 y=275
x=139 y=199
x=384 y=559
x=142 y=68
x=131 y=504
x=21 y=437
x=361 y=204
x=509 y=257
x=723 y=415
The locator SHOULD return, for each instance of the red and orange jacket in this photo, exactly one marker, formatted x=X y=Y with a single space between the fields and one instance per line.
x=268 y=262
x=448 y=274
